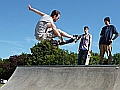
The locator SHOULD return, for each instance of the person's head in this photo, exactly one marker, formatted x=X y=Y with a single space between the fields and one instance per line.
x=55 y=15
x=86 y=28
x=107 y=20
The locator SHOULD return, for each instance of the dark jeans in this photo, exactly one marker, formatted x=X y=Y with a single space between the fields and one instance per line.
x=81 y=53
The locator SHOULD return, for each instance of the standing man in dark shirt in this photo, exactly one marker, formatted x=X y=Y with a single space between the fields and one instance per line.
x=106 y=39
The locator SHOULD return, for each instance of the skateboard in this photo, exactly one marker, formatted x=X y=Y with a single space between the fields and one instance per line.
x=58 y=42
x=88 y=59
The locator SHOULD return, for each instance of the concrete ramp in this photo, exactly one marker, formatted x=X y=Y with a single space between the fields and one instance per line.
x=117 y=82
x=64 y=78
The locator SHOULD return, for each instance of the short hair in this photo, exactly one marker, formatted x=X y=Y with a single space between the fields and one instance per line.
x=86 y=27
x=55 y=12
x=107 y=19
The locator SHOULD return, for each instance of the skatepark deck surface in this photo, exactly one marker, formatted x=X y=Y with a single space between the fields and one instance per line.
x=64 y=78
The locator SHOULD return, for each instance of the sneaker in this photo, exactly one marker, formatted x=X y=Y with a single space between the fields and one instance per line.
x=75 y=35
x=55 y=42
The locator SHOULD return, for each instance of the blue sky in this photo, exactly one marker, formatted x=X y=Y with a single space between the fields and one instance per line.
x=17 y=23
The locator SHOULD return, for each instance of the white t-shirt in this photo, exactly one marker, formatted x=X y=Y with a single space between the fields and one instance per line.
x=47 y=18
x=42 y=27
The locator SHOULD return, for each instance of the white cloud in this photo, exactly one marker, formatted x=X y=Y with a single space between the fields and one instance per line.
x=17 y=51
x=29 y=39
x=16 y=43
x=15 y=47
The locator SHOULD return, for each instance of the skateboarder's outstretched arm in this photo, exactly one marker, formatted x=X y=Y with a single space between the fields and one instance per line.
x=35 y=10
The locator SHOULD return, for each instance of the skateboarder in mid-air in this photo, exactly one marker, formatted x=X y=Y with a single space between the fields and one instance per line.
x=46 y=29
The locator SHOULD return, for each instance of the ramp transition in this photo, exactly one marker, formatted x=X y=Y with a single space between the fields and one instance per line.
x=64 y=78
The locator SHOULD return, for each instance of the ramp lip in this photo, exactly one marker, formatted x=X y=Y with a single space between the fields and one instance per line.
x=69 y=66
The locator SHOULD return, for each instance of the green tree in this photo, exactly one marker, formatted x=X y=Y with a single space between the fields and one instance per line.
x=45 y=54
x=7 y=66
x=116 y=59
x=1 y=69
x=95 y=58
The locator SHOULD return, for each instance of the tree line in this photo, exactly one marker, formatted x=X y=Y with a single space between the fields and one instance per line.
x=45 y=54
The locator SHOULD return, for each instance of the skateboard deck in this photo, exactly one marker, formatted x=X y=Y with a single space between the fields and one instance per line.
x=57 y=42
x=88 y=59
